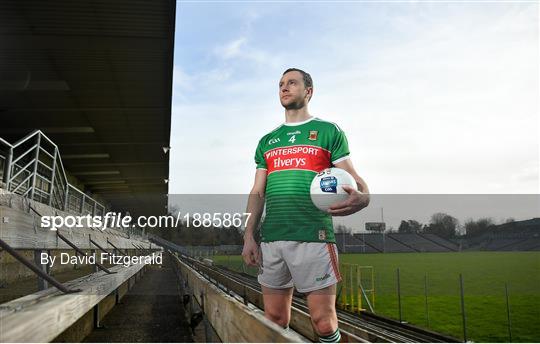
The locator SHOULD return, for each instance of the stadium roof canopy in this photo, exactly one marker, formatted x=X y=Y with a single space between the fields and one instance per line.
x=96 y=77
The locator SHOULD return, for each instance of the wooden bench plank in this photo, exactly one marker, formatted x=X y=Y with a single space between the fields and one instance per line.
x=42 y=316
x=23 y=231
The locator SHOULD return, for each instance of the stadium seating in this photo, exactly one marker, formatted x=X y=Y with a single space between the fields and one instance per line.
x=428 y=242
x=451 y=246
x=531 y=244
x=386 y=244
x=347 y=243
x=417 y=242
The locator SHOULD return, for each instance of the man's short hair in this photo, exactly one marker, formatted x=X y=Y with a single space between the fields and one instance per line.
x=308 y=82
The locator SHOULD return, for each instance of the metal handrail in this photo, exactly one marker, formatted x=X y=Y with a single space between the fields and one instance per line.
x=5 y=142
x=44 y=165
x=35 y=269
x=24 y=139
x=25 y=168
x=44 y=181
x=23 y=154
x=22 y=183
x=47 y=153
x=59 y=187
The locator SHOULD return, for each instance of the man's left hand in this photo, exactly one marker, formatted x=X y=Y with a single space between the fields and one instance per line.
x=354 y=203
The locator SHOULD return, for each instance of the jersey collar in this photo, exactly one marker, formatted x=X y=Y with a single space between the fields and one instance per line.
x=299 y=123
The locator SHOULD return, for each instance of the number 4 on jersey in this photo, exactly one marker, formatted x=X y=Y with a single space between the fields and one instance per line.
x=292 y=139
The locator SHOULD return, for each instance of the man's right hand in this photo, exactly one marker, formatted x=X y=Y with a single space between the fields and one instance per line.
x=250 y=252
x=255 y=207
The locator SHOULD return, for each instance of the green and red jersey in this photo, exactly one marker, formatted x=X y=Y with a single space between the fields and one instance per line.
x=292 y=155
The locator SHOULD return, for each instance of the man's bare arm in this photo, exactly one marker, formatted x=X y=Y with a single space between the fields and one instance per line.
x=357 y=199
x=255 y=207
x=348 y=166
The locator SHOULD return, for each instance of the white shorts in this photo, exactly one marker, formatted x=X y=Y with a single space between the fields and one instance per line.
x=308 y=266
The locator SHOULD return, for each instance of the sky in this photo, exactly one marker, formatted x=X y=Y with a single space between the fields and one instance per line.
x=435 y=98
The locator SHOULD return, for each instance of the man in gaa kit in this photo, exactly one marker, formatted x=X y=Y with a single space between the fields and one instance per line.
x=297 y=239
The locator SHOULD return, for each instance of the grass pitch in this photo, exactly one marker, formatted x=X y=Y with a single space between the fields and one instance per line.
x=484 y=277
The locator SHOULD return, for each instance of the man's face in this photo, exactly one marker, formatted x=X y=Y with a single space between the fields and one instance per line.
x=292 y=92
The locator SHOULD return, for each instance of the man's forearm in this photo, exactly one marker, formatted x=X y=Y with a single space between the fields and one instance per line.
x=255 y=207
x=362 y=186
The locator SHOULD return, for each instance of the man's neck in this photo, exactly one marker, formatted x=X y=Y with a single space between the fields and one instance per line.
x=297 y=115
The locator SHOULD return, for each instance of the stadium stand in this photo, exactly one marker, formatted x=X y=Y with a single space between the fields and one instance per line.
x=499 y=244
x=347 y=243
x=449 y=245
x=513 y=236
x=417 y=242
x=532 y=244
x=386 y=244
x=526 y=227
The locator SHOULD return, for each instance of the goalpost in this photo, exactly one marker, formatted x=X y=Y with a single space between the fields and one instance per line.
x=357 y=288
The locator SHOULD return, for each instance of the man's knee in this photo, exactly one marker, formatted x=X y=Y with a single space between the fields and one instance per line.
x=324 y=324
x=280 y=318
x=277 y=305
